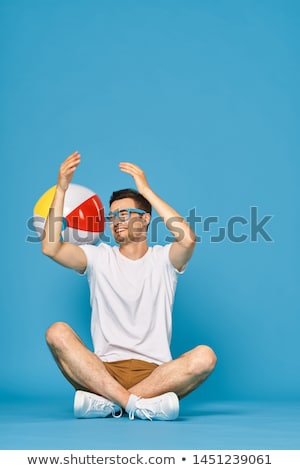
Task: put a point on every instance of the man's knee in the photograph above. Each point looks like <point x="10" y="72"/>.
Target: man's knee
<point x="57" y="333"/>
<point x="203" y="360"/>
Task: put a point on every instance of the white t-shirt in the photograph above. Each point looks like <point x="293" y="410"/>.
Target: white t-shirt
<point x="131" y="303"/>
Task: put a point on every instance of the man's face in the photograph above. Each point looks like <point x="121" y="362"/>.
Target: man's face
<point x="132" y="230"/>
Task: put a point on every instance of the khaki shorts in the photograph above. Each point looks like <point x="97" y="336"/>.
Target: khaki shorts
<point x="130" y="372"/>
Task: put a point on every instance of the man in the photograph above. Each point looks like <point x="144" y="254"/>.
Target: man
<point x="132" y="289"/>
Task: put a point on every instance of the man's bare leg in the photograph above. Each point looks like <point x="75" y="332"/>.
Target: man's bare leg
<point x="85" y="371"/>
<point x="81" y="367"/>
<point x="182" y="375"/>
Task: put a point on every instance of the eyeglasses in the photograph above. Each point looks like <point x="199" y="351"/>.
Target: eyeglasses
<point x="123" y="214"/>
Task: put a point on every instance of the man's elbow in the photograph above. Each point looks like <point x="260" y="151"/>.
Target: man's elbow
<point x="48" y="250"/>
<point x="193" y="238"/>
<point x="190" y="240"/>
<point x="188" y="244"/>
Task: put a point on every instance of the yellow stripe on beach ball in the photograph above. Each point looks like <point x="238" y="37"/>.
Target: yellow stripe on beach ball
<point x="43" y="204"/>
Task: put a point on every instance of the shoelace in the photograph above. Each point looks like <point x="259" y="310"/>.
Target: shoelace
<point x="147" y="413"/>
<point x="131" y="414"/>
<point x="114" y="410"/>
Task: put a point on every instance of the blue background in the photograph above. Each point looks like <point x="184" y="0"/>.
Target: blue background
<point x="204" y="96"/>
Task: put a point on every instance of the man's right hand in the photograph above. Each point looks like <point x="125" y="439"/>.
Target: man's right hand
<point x="67" y="170"/>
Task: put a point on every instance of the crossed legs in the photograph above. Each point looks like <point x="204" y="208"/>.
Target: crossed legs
<point x="85" y="371"/>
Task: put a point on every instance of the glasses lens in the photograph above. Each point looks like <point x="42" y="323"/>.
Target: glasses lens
<point x="123" y="215"/>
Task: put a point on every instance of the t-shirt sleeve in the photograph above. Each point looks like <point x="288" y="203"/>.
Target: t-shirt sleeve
<point x="90" y="253"/>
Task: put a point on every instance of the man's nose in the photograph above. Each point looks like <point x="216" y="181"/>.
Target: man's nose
<point x="116" y="222"/>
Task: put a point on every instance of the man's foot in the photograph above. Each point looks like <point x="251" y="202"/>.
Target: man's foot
<point x="90" y="405"/>
<point x="163" y="408"/>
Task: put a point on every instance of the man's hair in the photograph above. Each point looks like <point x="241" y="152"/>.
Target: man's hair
<point x="139" y="200"/>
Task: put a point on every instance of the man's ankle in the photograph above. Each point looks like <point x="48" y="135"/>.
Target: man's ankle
<point x="131" y="404"/>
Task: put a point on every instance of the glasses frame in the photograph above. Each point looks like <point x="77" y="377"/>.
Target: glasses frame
<point x="116" y="214"/>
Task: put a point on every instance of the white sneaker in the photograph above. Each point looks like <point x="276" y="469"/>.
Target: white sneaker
<point x="90" y="405"/>
<point x="164" y="407"/>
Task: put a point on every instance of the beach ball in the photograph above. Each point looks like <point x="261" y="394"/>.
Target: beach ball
<point x="83" y="214"/>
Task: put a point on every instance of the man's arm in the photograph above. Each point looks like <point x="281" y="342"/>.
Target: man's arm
<point x="185" y="239"/>
<point x="67" y="254"/>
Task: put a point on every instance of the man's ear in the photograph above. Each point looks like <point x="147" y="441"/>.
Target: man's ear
<point x="147" y="218"/>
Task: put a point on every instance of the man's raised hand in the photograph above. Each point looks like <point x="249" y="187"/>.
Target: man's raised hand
<point x="137" y="173"/>
<point x="67" y="169"/>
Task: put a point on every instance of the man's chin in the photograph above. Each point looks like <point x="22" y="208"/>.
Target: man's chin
<point x="124" y="237"/>
<point x="119" y="237"/>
